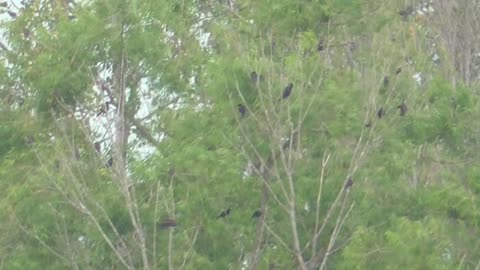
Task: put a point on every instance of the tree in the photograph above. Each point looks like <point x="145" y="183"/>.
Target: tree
<point x="146" y="134"/>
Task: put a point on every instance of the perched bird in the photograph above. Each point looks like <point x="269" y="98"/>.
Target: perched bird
<point x="453" y="213"/>
<point x="287" y="91"/>
<point x="242" y="109"/>
<point x="286" y="144"/>
<point x="254" y="76"/>
<point x="403" y="108"/>
<point x="167" y="223"/>
<point x="12" y="14"/>
<point x="349" y="183"/>
<point x="398" y="70"/>
<point x="257" y="214"/>
<point x="26" y="32"/>
<point x="104" y="109"/>
<point x="98" y="147"/>
<point x="405" y="13"/>
<point x="29" y="140"/>
<point x="224" y="213"/>
<point x="109" y="162"/>
<point x="320" y="46"/>
<point x="380" y="112"/>
<point x="76" y="154"/>
<point x="386" y="81"/>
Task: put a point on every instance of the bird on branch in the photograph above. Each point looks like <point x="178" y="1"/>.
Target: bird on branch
<point x="224" y="213"/>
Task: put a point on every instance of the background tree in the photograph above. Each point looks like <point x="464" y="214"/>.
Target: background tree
<point x="123" y="139"/>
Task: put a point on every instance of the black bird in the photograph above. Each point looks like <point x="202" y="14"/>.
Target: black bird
<point x="242" y="109"/>
<point x="287" y="91"/>
<point x="349" y="183"/>
<point x="405" y="13"/>
<point x="167" y="223"/>
<point x="110" y="162"/>
<point x="12" y="14"/>
<point x="286" y="144"/>
<point x="386" y="80"/>
<point x="98" y="147"/>
<point x="224" y="213"/>
<point x="403" y="108"/>
<point x="398" y="70"/>
<point x="380" y="112"/>
<point x="29" y="140"/>
<point x="257" y="214"/>
<point x="453" y="213"/>
<point x="254" y="76"/>
<point x="320" y="46"/>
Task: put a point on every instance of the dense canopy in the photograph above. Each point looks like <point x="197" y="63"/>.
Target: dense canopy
<point x="239" y="134"/>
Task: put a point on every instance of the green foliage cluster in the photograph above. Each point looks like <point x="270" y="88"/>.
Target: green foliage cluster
<point x="413" y="202"/>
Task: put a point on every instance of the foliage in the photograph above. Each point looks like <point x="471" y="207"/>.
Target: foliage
<point x="121" y="117"/>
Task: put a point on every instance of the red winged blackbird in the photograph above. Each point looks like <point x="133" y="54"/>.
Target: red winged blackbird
<point x="257" y="214"/>
<point x="349" y="183"/>
<point x="380" y="112"/>
<point x="287" y="91"/>
<point x="242" y="109"/>
<point x="403" y="108"/>
<point x="167" y="223"/>
<point x="224" y="213"/>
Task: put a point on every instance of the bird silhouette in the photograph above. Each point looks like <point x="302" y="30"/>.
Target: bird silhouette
<point x="254" y="76"/>
<point x="386" y="81"/>
<point x="349" y="183"/>
<point x="453" y="213"/>
<point x="98" y="147"/>
<point x="398" y="70"/>
<point x="242" y="109"/>
<point x="12" y="14"/>
<point x="109" y="162"/>
<point x="380" y="112"/>
<point x="224" y="213"/>
<point x="405" y="13"/>
<point x="320" y="46"/>
<point x="167" y="223"/>
<point x="403" y="108"/>
<point x="257" y="214"/>
<point x="287" y="91"/>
